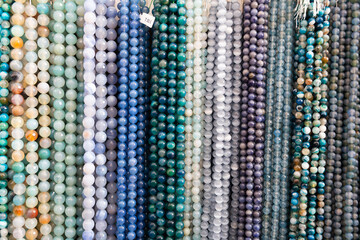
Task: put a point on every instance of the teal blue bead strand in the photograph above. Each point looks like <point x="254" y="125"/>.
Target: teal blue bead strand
<point x="270" y="149"/>
<point x="299" y="175"/>
<point x="155" y="208"/>
<point x="289" y="24"/>
<point x="5" y="10"/>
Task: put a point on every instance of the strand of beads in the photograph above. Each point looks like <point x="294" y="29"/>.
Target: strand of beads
<point x="235" y="120"/>
<point x="111" y="121"/>
<point x="354" y="55"/>
<point x="175" y="146"/>
<point x="31" y="125"/>
<point x="207" y="205"/>
<point x="155" y="207"/>
<point x="347" y="173"/>
<point x="144" y="44"/>
<point x="296" y="181"/>
<point x="243" y="126"/>
<point x="17" y="163"/>
<point x="288" y="26"/>
<point x="350" y="151"/>
<point x="306" y="128"/>
<point x="70" y="117"/>
<point x="338" y="53"/>
<point x="220" y="137"/>
<point x="89" y="122"/>
<point x="254" y="75"/>
<point x="354" y="118"/>
<point x="198" y="93"/>
<point x="333" y="112"/>
<point x="319" y="114"/>
<point x="100" y="121"/>
<point x="122" y="117"/>
<point x="80" y="114"/>
<point x="5" y="9"/>
<point x="57" y="83"/>
<point x="227" y="118"/>
<point x="188" y="116"/>
<point x="270" y="149"/>
<point x="133" y="84"/>
<point x="44" y="119"/>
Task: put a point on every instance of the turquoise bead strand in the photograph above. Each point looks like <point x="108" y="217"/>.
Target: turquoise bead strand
<point x="5" y="12"/>
<point x="154" y="207"/>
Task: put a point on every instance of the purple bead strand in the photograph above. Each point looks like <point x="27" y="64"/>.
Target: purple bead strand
<point x="254" y="72"/>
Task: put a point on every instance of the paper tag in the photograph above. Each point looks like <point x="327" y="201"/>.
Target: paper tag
<point x="147" y="19"/>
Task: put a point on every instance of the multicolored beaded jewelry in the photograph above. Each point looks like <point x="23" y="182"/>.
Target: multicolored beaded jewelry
<point x="17" y="162"/>
<point x="5" y="15"/>
<point x="31" y="124"/>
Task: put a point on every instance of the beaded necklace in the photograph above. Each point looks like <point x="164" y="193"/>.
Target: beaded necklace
<point x="279" y="92"/>
<point x="123" y="96"/>
<point x="31" y="113"/>
<point x="221" y="132"/>
<point x="111" y="121"/>
<point x="188" y="116"/>
<point x="314" y="112"/>
<point x="270" y="117"/>
<point x="351" y="142"/>
<point x="57" y="83"/>
<point x="70" y="117"/>
<point x="44" y="119"/>
<point x="193" y="115"/>
<point x="287" y="11"/>
<point x="252" y="135"/>
<point x="133" y="112"/>
<point x="5" y="9"/>
<point x="235" y="120"/>
<point x="100" y="120"/>
<point x="144" y="64"/>
<point x="88" y="122"/>
<point x="176" y="111"/>
<point x="17" y="162"/>
<point x="333" y="191"/>
<point x="319" y="114"/>
<point x="208" y="124"/>
<point x="80" y="114"/>
<point x="156" y="178"/>
<point x="337" y="191"/>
